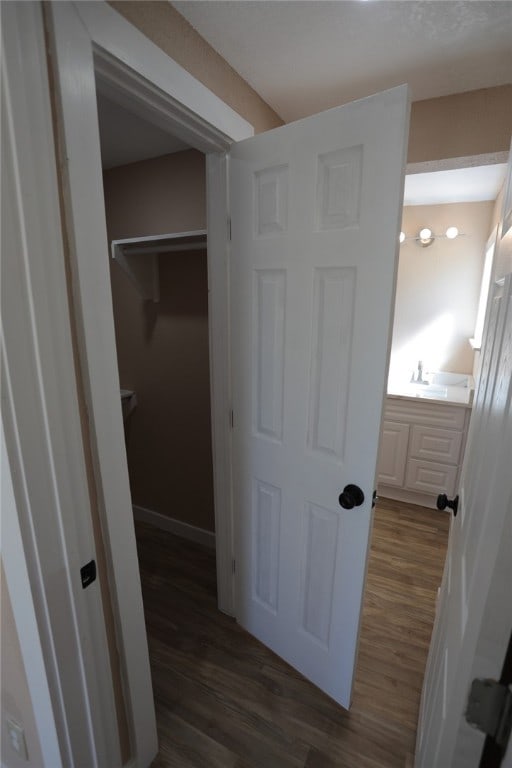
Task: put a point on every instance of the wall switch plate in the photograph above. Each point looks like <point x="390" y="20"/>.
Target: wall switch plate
<point x="17" y="738"/>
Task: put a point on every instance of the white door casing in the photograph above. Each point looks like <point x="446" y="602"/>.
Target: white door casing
<point x="40" y="416"/>
<point x="316" y="209"/>
<point x="474" y="613"/>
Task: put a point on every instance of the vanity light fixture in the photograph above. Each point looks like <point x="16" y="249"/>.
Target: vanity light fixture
<point x="426" y="236"/>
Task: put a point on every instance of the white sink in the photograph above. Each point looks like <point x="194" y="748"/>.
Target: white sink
<point x="447" y="379"/>
<point x="433" y="391"/>
<point x="430" y="390"/>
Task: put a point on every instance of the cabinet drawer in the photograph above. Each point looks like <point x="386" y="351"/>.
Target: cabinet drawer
<point x="442" y="445"/>
<point x="420" y="412"/>
<point x="393" y="453"/>
<point x="430" y="477"/>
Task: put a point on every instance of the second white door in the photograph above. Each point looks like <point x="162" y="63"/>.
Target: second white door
<point x="316" y="209"/>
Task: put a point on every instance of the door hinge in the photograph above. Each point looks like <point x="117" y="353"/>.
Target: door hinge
<point x="490" y="709"/>
<point x="231" y="419"/>
<point x="233" y="565"/>
<point x="229" y="228"/>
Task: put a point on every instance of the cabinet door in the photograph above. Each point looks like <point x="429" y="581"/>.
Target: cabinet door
<point x="393" y="453"/>
<point x="433" y="444"/>
<point x="430" y="477"/>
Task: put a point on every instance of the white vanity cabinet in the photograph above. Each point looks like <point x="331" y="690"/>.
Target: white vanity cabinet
<point x="421" y="449"/>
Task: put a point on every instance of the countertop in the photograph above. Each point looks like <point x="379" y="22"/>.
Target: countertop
<point x="433" y="393"/>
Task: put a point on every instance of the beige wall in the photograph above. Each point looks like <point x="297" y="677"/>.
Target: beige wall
<point x="163" y="348"/>
<point x="461" y="125"/>
<point x="16" y="701"/>
<point x="438" y="289"/>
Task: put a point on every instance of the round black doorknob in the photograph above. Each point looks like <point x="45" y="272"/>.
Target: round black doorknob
<point x="443" y="501"/>
<point x="352" y="496"/>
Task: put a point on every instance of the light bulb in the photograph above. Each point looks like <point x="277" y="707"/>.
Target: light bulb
<point x="402" y="237"/>
<point x="425" y="234"/>
<point x="451" y="233"/>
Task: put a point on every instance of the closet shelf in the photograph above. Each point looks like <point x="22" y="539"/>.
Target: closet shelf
<point x="138" y="256"/>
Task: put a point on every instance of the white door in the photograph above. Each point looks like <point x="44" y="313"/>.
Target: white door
<point x="474" y="613"/>
<point x="316" y="209"/>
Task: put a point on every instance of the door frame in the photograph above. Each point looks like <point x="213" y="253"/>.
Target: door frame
<point x="41" y="424"/>
<point x="99" y="43"/>
<point x="490" y="559"/>
<point x="89" y="41"/>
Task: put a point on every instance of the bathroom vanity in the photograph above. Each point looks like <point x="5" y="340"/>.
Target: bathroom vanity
<point x="422" y="444"/>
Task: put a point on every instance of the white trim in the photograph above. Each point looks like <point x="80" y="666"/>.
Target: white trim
<point x="18" y="586"/>
<point x="117" y="42"/>
<point x="220" y="374"/>
<point x="485" y="287"/>
<point x="40" y="407"/>
<point x="455" y="163"/>
<point x="390" y="493"/>
<point x="89" y="39"/>
<point x="178" y="527"/>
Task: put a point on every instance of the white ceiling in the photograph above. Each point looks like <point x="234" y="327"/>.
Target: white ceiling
<point x="126" y="138"/>
<point x="304" y="56"/>
<point x="462" y="185"/>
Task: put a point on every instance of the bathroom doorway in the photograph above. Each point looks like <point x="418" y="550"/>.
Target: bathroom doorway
<point x="444" y="272"/>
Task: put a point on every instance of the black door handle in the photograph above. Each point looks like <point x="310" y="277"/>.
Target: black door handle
<point x="443" y="501"/>
<point x="352" y="496"/>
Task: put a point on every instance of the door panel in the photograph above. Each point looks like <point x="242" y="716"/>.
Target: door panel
<point x="435" y="444"/>
<point x="315" y="211"/>
<point x="393" y="453"/>
<point x="429" y="477"/>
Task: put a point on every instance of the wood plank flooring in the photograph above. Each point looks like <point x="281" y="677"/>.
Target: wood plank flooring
<point x="224" y="701"/>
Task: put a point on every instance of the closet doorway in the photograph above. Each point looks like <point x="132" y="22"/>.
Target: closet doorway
<point x="155" y="204"/>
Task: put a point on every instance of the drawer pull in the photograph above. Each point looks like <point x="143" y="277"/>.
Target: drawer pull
<point x="443" y="501"/>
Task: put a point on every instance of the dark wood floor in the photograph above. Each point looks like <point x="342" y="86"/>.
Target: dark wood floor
<point x="225" y="701"/>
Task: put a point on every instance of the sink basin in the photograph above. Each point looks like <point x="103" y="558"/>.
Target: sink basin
<point x="433" y="391"/>
<point x="448" y="379"/>
<point x="445" y="379"/>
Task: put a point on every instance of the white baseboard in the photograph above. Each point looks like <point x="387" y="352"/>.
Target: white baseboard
<point x="409" y="497"/>
<point x="186" y="531"/>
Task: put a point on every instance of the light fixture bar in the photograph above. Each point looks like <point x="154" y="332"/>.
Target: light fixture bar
<point x="425" y="237"/>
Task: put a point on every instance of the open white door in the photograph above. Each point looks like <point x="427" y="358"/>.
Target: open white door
<point x="316" y="209"/>
<point x="474" y="612"/>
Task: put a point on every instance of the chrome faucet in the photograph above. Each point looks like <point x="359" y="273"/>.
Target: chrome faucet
<point x="419" y="378"/>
